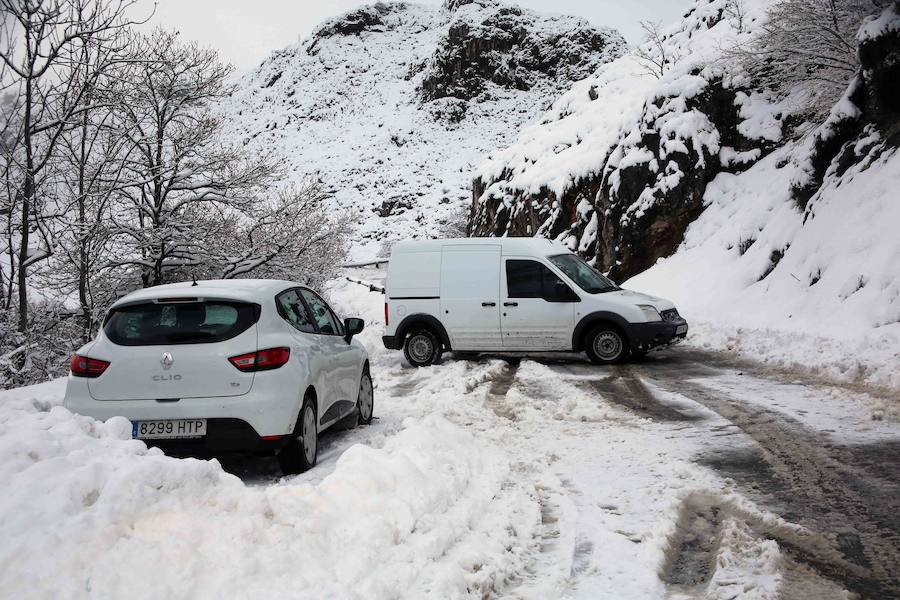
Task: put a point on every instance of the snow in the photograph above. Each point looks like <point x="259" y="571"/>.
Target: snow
<point x="346" y="107"/>
<point x="874" y="28"/>
<point x="458" y="490"/>
<point x="813" y="287"/>
<point x="832" y="302"/>
<point x="594" y="122"/>
<point x="90" y="512"/>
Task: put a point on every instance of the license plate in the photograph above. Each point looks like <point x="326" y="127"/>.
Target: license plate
<point x="168" y="430"/>
<point x="681" y="329"/>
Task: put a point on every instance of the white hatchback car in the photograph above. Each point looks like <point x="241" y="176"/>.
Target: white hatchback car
<point x="247" y="365"/>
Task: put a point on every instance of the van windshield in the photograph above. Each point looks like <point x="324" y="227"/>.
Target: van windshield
<point x="203" y="322"/>
<point x="584" y="275"/>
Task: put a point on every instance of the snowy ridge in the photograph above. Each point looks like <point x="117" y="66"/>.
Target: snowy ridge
<point x="347" y="104"/>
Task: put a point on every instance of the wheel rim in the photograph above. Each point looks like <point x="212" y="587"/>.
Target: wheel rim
<point x="420" y="348"/>
<point x="607" y="345"/>
<point x="366" y="398"/>
<point x="309" y="434"/>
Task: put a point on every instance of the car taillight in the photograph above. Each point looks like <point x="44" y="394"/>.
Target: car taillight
<point x="82" y="366"/>
<point x="261" y="360"/>
<point x="385" y="314"/>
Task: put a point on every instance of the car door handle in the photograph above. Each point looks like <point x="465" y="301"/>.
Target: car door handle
<point x="510" y="304"/>
<point x="489" y="304"/>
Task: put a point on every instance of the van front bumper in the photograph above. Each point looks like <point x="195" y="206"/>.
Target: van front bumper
<point x="646" y="336"/>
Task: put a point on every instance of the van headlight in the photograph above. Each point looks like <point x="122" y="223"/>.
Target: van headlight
<point x="650" y="312"/>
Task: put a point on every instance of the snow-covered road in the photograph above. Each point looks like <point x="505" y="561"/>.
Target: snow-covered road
<point x="685" y="475"/>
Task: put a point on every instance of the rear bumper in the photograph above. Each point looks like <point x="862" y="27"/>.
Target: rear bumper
<point x="390" y="342"/>
<point x="646" y="336"/>
<point x="222" y="435"/>
<point x="267" y="409"/>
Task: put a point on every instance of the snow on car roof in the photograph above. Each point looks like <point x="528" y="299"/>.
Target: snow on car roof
<point x="238" y="289"/>
<point x="510" y="245"/>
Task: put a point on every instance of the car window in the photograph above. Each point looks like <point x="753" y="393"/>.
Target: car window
<point x="321" y="313"/>
<point x="152" y="323"/>
<point x="292" y="310"/>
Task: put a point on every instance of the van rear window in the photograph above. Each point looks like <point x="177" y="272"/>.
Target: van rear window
<point x="152" y="324"/>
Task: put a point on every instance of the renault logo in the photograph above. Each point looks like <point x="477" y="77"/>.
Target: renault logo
<point x="166" y="360"/>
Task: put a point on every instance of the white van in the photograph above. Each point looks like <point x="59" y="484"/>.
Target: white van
<point x="515" y="295"/>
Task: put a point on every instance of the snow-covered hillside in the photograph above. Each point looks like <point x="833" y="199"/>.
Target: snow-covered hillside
<point x="783" y="229"/>
<point x="393" y="103"/>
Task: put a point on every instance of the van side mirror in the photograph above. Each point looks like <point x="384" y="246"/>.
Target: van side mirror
<point x="352" y="326"/>
<point x="562" y="293"/>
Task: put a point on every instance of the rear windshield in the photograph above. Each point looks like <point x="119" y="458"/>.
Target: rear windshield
<point x="153" y="324"/>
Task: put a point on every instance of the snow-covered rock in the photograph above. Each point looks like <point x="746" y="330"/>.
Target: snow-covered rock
<point x="392" y="103"/>
<point x="777" y="236"/>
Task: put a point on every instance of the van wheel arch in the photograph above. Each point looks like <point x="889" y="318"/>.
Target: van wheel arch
<point x="422" y="321"/>
<point x="590" y="322"/>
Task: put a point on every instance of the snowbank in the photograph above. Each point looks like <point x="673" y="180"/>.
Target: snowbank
<point x="817" y="290"/>
<point x="88" y="512"/>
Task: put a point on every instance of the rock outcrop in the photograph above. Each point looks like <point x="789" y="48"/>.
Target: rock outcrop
<point x="627" y="202"/>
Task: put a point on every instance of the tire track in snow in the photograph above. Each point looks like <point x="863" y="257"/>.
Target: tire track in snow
<point x="820" y="486"/>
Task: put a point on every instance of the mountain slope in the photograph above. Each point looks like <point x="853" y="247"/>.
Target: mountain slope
<point x="392" y="103"/>
<point x="776" y="231"/>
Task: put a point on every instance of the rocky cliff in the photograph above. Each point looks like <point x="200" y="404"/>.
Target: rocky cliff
<point x="391" y="104"/>
<point x="619" y="166"/>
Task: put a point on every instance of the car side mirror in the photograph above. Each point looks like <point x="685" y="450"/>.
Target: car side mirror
<point x="353" y="326"/>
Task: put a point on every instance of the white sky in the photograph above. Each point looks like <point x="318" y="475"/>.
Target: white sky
<point x="245" y="32"/>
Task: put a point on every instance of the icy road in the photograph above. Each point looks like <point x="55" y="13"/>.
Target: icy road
<point x="684" y="475"/>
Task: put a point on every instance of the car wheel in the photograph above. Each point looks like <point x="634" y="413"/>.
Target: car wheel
<point x="422" y="348"/>
<point x="606" y="345"/>
<point x="302" y="450"/>
<point x="365" y="400"/>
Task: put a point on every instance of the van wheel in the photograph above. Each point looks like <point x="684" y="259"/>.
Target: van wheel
<point x="606" y="345"/>
<point x="301" y="452"/>
<point x="422" y="348"/>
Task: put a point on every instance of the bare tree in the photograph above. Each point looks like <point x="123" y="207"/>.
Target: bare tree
<point x="809" y="42"/>
<point x="736" y="10"/>
<point x="43" y="45"/>
<point x="181" y="166"/>
<point x="294" y="236"/>
<point x="653" y="54"/>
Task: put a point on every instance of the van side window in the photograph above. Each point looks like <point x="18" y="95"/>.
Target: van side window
<point x="322" y="314"/>
<point x="531" y="279"/>
<point x="292" y="310"/>
<point x="523" y="279"/>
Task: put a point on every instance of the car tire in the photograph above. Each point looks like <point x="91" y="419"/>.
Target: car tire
<point x="422" y="348"/>
<point x="302" y="450"/>
<point x="606" y="344"/>
<point x="365" y="399"/>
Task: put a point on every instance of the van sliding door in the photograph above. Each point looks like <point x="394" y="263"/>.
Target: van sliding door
<point x="470" y="296"/>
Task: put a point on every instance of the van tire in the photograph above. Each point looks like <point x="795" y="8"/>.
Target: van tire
<point x="422" y="347"/>
<point x="606" y="344"/>
<point x="293" y="458"/>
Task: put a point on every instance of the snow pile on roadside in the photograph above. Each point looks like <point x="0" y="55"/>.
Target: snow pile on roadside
<point x="818" y="290"/>
<point x="89" y="512"/>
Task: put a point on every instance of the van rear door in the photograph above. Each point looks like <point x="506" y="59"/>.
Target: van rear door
<point x="470" y="296"/>
<point x="175" y="348"/>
